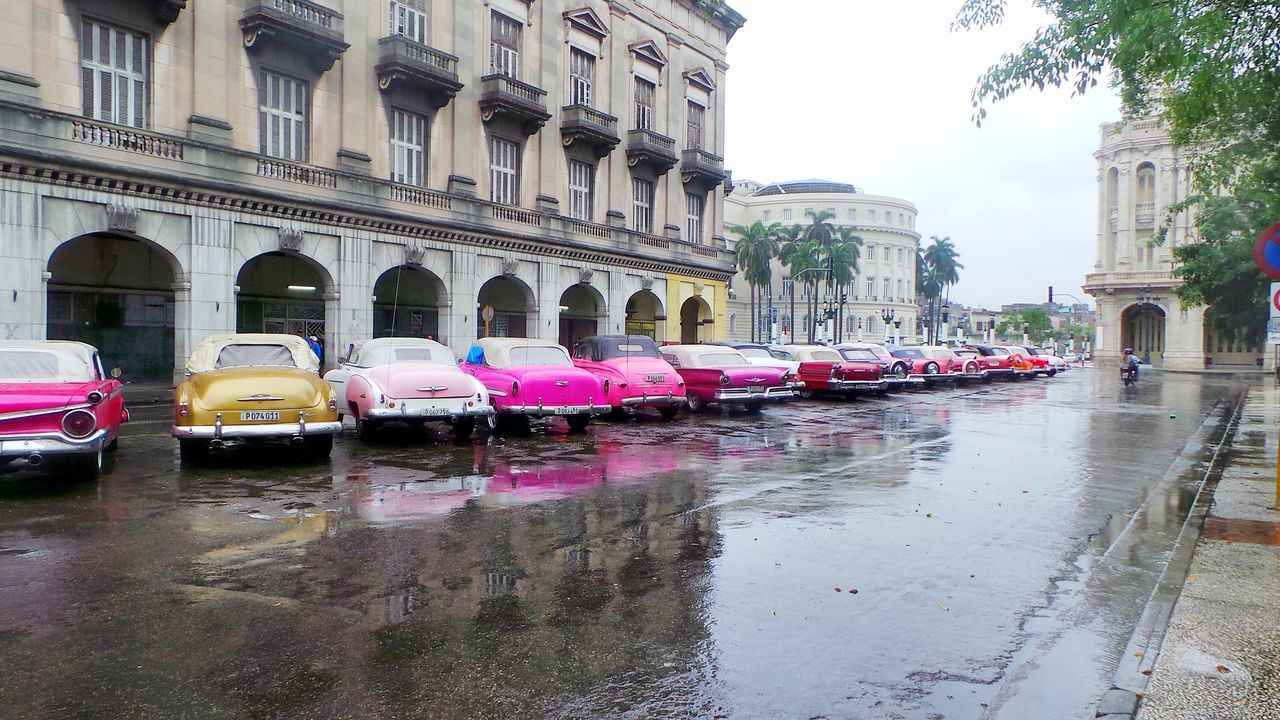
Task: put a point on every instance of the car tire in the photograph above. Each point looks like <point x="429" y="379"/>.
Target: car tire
<point x="971" y="368"/>
<point x="931" y="369"/>
<point x="85" y="466"/>
<point x="851" y="395"/>
<point x="901" y="371"/>
<point x="1053" y="372"/>
<point x="366" y="430"/>
<point x="463" y="428"/>
<point x="193" y="451"/>
<point x="668" y="412"/>
<point x="806" y="394"/>
<point x="114" y="445"/>
<point x="696" y="403"/>
<point x="317" y="447"/>
<point x="754" y="407"/>
<point x="578" y="423"/>
<point x="491" y="421"/>
<point x="513" y="423"/>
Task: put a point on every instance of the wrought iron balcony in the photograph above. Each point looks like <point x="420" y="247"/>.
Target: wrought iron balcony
<point x="702" y="167"/>
<point x="588" y="126"/>
<point x="301" y="26"/>
<point x="505" y="97"/>
<point x="420" y="67"/>
<point x="648" y="148"/>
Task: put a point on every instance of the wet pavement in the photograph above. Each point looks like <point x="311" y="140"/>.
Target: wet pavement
<point x="979" y="552"/>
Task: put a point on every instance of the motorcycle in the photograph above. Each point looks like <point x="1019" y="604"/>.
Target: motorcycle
<point x="1129" y="376"/>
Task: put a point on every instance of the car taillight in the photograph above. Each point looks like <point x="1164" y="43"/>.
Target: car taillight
<point x="79" y="423"/>
<point x="333" y="404"/>
<point x="786" y="378"/>
<point x="183" y="407"/>
<point x="94" y="397"/>
<point x="515" y="388"/>
<point x="724" y="379"/>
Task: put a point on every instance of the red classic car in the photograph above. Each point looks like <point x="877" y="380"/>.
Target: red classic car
<point x="924" y="365"/>
<point x="825" y="370"/>
<point x="637" y="374"/>
<point x="56" y="402"/>
<point x="1001" y="361"/>
<point x="897" y="372"/>
<point x="719" y="375"/>
<point x="528" y="378"/>
<point x="1039" y="364"/>
<point x="967" y="363"/>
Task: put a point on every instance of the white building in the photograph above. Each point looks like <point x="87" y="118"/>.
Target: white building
<point x="885" y="285"/>
<point x="349" y="168"/>
<point x="1140" y="175"/>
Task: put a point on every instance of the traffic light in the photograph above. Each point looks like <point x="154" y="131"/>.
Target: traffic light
<point x="1050" y="294"/>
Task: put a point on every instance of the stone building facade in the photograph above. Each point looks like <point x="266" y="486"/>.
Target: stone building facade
<point x="1141" y="174"/>
<point x="351" y="168"/>
<point x="884" y="287"/>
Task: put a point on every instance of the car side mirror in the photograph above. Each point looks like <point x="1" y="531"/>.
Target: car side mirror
<point x="342" y="360"/>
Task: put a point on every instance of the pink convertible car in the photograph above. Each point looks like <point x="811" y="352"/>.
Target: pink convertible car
<point x="535" y="378"/>
<point x="720" y="375"/>
<point x="56" y="402"/>
<point x="637" y="374"/>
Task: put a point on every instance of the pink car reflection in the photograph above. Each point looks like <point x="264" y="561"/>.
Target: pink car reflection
<point x="535" y="378"/>
<point x="637" y="374"/>
<point x="56" y="401"/>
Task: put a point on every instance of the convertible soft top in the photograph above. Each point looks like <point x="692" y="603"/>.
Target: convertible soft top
<point x="46" y="361"/>
<point x="209" y="354"/>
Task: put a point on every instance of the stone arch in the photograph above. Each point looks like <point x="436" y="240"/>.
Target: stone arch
<point x="645" y="315"/>
<point x="284" y="292"/>
<point x="1142" y="327"/>
<point x="582" y="309"/>
<point x="694" y="313"/>
<point x="514" y="306"/>
<point x="113" y="291"/>
<point x="408" y="302"/>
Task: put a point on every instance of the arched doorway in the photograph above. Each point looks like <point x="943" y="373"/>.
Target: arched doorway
<point x="694" y="313"/>
<point x="1142" y="328"/>
<point x="644" y="312"/>
<point x="279" y="292"/>
<point x="407" y="302"/>
<point x="115" y="293"/>
<point x="580" y="309"/>
<point x="510" y="302"/>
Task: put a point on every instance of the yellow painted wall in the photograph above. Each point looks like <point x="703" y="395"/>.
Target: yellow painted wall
<point x="682" y="287"/>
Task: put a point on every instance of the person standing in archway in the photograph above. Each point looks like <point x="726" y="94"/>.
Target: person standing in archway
<point x="316" y="348"/>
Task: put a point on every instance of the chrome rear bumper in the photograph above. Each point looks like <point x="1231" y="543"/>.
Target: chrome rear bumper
<point x="667" y="399"/>
<point x="729" y="395"/>
<point x="50" y="444"/>
<point x="282" y="429"/>
<point x="427" y="413"/>
<point x="550" y="410"/>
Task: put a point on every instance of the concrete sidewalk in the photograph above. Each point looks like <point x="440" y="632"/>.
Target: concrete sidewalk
<point x="1220" y="659"/>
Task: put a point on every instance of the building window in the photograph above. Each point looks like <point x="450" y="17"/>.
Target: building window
<point x="645" y="92"/>
<point x="902" y="256"/>
<point x="788" y="286"/>
<point x="504" y="175"/>
<point x="888" y="291"/>
<point x="853" y="214"/>
<point x="642" y="205"/>
<point x="504" y="46"/>
<point x="113" y="74"/>
<point x="902" y="219"/>
<point x="902" y="286"/>
<point x="872" y="215"/>
<point x="831" y="212"/>
<point x="871" y="252"/>
<point x="1146" y="183"/>
<point x="408" y="148"/>
<point x="282" y="116"/>
<point x="582" y="71"/>
<point x="581" y="177"/>
<point x="768" y="215"/>
<point x="694" y="205"/>
<point x="693" y="134"/>
<point x="409" y="18"/>
<point x="786" y="215"/>
<point x="871" y="288"/>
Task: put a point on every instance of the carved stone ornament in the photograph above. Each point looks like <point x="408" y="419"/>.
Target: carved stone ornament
<point x="122" y="218"/>
<point x="646" y="282"/>
<point x="510" y="266"/>
<point x="585" y="275"/>
<point x="290" y="239"/>
<point x="413" y="254"/>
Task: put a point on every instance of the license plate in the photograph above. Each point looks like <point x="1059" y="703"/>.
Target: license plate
<point x="258" y="415"/>
<point x="654" y="378"/>
<point x="434" y="411"/>
<point x="566" y="411"/>
<point x="756" y="388"/>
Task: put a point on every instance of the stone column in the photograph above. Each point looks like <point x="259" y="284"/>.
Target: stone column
<point x="547" y="292"/>
<point x="547" y="153"/>
<point x="464" y="288"/>
<point x="210" y="287"/>
<point x="213" y="76"/>
<point x="1125" y="237"/>
<point x="469" y="153"/>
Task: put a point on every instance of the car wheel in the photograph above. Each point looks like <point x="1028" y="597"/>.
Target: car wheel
<point x="668" y="412"/>
<point x="463" y="428"/>
<point x="851" y="395"/>
<point x="806" y="394"/>
<point x="754" y="407"/>
<point x="317" y="447"/>
<point x="513" y="423"/>
<point x="491" y="421"/>
<point x="971" y="368"/>
<point x="193" y="451"/>
<point x="931" y="369"/>
<point x="696" y="403"/>
<point x="578" y="423"/>
<point x="1053" y="372"/>
<point x="114" y="445"/>
<point x="901" y="371"/>
<point x="366" y="430"/>
<point x="85" y="466"/>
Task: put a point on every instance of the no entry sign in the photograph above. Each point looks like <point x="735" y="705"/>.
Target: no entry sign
<point x="1266" y="253"/>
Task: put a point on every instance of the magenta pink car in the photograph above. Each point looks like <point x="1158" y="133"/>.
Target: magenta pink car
<point x="637" y="374"/>
<point x="529" y="378"/>
<point x="720" y="375"/>
<point x="56" y="403"/>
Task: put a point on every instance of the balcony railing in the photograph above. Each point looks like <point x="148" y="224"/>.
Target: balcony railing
<point x="1145" y="214"/>
<point x="651" y="148"/>
<point x="311" y="30"/>
<point x="586" y="125"/>
<point x="126" y="139"/>
<point x="702" y="166"/>
<point x="304" y="174"/>
<point x="421" y="196"/>
<point x="515" y="215"/>
<point x="422" y="66"/>
<point x="318" y="18"/>
<point x="505" y="96"/>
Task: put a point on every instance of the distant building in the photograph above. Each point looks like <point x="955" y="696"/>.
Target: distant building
<point x="1140" y="175"/>
<point x="885" y="283"/>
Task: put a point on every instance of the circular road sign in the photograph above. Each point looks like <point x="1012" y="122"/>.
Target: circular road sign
<point x="1275" y="300"/>
<point x="487" y="313"/>
<point x="1266" y="253"/>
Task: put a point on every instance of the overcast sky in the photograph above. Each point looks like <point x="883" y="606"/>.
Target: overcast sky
<point x="877" y="94"/>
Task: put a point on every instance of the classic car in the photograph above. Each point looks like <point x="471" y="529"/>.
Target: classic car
<point x="924" y="364"/>
<point x="766" y="356"/>
<point x="824" y="370"/>
<point x="1024" y="365"/>
<point x="252" y="388"/>
<point x="1052" y="363"/>
<point x="56" y="402"/>
<point x="897" y="372"/>
<point x="638" y="376"/>
<point x="968" y="364"/>
<point x="720" y="375"/>
<point x="407" y="380"/>
<point x="999" y="361"/>
<point x="529" y="378"/>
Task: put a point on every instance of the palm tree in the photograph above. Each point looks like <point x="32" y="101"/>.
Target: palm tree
<point x="942" y="257"/>
<point x="801" y="256"/>
<point x="843" y="257"/>
<point x="788" y="238"/>
<point x="929" y="287"/>
<point x="757" y="245"/>
<point x="822" y="232"/>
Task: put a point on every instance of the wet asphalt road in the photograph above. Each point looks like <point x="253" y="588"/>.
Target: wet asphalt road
<point x="1002" y="539"/>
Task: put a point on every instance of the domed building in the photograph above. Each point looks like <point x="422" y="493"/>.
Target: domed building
<point x="883" y="288"/>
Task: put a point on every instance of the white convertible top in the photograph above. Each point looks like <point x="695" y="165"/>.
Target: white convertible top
<point x="693" y="356"/>
<point x="805" y="353"/>
<point x="207" y="353"/>
<point x="497" y="351"/>
<point x="380" y="351"/>
<point x="46" y="361"/>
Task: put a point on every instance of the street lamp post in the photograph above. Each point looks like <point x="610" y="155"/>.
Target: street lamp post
<point x="859" y="329"/>
<point x="1026" y="328"/>
<point x="887" y="315"/>
<point x="946" y="318"/>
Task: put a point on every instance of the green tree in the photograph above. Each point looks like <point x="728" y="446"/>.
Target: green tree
<point x="929" y="286"/>
<point x="798" y="255"/>
<point x="942" y="257"/>
<point x="756" y="248"/>
<point x="1035" y="322"/>
<point x="1212" y="72"/>
<point x="822" y="232"/>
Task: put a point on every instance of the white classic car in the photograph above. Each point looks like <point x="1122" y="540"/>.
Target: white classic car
<point x="408" y="380"/>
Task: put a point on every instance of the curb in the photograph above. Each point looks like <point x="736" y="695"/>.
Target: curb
<point x="1133" y="674"/>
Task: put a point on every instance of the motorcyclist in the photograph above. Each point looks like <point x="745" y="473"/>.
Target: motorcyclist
<point x="1130" y="362"/>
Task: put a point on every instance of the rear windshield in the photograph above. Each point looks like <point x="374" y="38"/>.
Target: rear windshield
<point x="720" y="359"/>
<point x="862" y="355"/>
<point x="631" y="347"/>
<point x="967" y="353"/>
<point x="756" y="353"/>
<point x="247" y="355"/>
<point x="908" y="353"/>
<point x="384" y="355"/>
<point x="941" y="352"/>
<point x="825" y="356"/>
<point x="533" y="355"/>
<point x="37" y="366"/>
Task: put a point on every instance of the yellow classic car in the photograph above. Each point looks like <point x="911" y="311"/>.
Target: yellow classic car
<point x="250" y="388"/>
